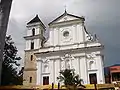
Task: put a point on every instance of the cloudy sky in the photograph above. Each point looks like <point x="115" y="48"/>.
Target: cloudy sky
<point x="102" y="18"/>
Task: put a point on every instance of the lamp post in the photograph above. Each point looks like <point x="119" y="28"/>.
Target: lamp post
<point x="5" y="6"/>
<point x="95" y="83"/>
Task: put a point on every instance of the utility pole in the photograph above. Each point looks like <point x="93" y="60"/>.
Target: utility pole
<point x="5" y="6"/>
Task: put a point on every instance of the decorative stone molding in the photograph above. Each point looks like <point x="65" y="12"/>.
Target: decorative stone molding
<point x="92" y="65"/>
<point x="91" y="38"/>
<point x="67" y="56"/>
<point x="91" y="56"/>
<point x="66" y="61"/>
<point x="45" y="60"/>
<point x="45" y="63"/>
<point x="34" y="37"/>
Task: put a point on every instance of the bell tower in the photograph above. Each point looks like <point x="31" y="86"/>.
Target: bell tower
<point x="34" y="38"/>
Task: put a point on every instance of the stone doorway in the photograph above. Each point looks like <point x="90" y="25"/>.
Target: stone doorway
<point x="46" y="80"/>
<point x="93" y="78"/>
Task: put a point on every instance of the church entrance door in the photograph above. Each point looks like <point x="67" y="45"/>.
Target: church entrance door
<point x="93" y="78"/>
<point x="46" y="80"/>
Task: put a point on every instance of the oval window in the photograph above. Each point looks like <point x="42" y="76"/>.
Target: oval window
<point x="66" y="34"/>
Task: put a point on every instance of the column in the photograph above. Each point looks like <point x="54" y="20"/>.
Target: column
<point x="39" y="72"/>
<point x="55" y="36"/>
<point x="51" y="71"/>
<point x="100" y="70"/>
<point x="83" y="69"/>
<point x="51" y="37"/>
<point x="79" y="66"/>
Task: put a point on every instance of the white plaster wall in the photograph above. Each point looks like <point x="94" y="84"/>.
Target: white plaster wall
<point x="28" y="42"/>
<point x="56" y="32"/>
<point x="37" y="31"/>
<point x="39" y="71"/>
<point x="75" y="65"/>
<point x="29" y="32"/>
<point x="83" y="69"/>
<point x="62" y="39"/>
<point x="76" y="35"/>
<point x="73" y="33"/>
<point x="57" y="70"/>
<point x="98" y="69"/>
<point x="36" y="43"/>
<point x="101" y="70"/>
<point x="52" y="67"/>
<point x="79" y="67"/>
<point x="80" y="31"/>
<point x="78" y="63"/>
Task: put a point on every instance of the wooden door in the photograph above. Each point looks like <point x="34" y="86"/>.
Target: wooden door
<point x="93" y="78"/>
<point x="46" y="80"/>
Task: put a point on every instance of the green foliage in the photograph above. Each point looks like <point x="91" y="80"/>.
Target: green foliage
<point x="10" y="64"/>
<point x="69" y="78"/>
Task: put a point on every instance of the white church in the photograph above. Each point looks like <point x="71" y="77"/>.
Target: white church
<point x="69" y="46"/>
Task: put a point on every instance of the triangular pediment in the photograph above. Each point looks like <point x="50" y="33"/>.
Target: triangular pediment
<point x="65" y="17"/>
<point x="36" y="19"/>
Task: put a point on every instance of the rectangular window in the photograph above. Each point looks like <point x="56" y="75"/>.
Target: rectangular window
<point x="30" y="79"/>
<point x="31" y="57"/>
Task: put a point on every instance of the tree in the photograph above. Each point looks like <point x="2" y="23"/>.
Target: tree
<point x="10" y="63"/>
<point x="20" y="76"/>
<point x="70" y="79"/>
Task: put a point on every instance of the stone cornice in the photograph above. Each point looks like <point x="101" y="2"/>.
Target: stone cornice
<point x="30" y="69"/>
<point x="85" y="43"/>
<point x="31" y="50"/>
<point x="64" y="23"/>
<point x="35" y="24"/>
<point x="76" y="48"/>
<point x="71" y="51"/>
<point x="58" y="57"/>
<point x="39" y="36"/>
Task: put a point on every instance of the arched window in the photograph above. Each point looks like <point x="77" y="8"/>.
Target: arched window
<point x="33" y="31"/>
<point x="30" y="80"/>
<point x="32" y="44"/>
<point x="31" y="57"/>
<point x="91" y="65"/>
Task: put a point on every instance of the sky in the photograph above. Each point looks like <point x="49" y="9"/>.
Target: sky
<point x="102" y="18"/>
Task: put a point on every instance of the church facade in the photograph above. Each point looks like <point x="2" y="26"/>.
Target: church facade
<point x="69" y="46"/>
